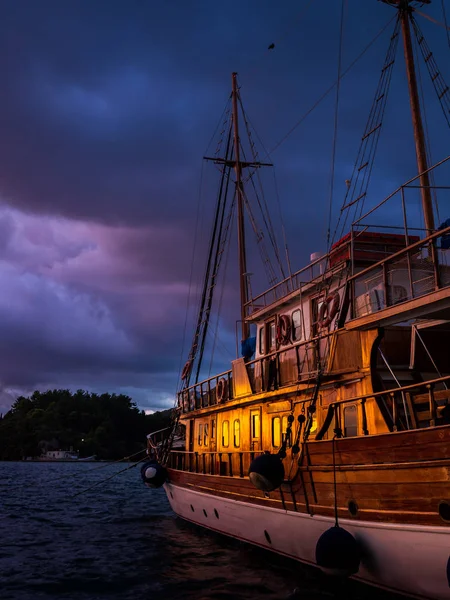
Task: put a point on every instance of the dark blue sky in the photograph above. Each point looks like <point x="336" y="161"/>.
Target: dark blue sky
<point x="105" y="113"/>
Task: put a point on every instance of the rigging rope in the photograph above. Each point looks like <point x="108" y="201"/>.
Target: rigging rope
<point x="441" y="88"/>
<point x="110" y="477"/>
<point x="362" y="169"/>
<point x="447" y="28"/>
<point x="330" y="89"/>
<point x="336" y="119"/>
<point x="429" y="157"/>
<point x="263" y="208"/>
<point x="227" y="243"/>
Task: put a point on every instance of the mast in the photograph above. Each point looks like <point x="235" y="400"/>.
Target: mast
<point x="419" y="136"/>
<point x="243" y="284"/>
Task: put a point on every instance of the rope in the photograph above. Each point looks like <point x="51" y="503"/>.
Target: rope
<point x="336" y="119"/>
<point x="108" y="478"/>
<point x="191" y="274"/>
<point x="431" y="176"/>
<point x="227" y="243"/>
<point x="447" y="28"/>
<point x="330" y="89"/>
<point x="435" y="21"/>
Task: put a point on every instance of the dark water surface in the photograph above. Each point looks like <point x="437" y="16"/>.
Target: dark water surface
<point x="121" y="541"/>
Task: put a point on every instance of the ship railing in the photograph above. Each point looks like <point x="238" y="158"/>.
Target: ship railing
<point x="313" y="272"/>
<point x="411" y="407"/>
<point x="235" y="463"/>
<point x="294" y="282"/>
<point x="412" y="272"/>
<point x="415" y="406"/>
<point x="288" y="365"/>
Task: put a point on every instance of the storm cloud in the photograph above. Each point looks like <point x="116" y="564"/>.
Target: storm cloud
<point x="106" y="111"/>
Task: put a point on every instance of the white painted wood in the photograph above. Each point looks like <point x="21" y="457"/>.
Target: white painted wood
<point x="401" y="558"/>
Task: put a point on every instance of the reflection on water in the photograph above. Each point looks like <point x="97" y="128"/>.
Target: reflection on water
<point x="120" y="541"/>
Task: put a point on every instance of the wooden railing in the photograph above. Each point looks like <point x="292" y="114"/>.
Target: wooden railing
<point x="229" y="464"/>
<point x="416" y="269"/>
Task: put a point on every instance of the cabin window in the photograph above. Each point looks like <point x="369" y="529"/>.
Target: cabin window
<point x="225" y="434"/>
<point x="213" y="429"/>
<point x="272" y="336"/>
<point x="205" y="434"/>
<point x="255" y="425"/>
<point x="200" y="434"/>
<point x="237" y="433"/>
<point x="262" y="345"/>
<point x="284" y="429"/>
<point x="276" y="432"/>
<point x="350" y="421"/>
<point x="297" y="325"/>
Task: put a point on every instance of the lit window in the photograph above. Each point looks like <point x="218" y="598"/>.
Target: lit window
<point x="255" y="425"/>
<point x="213" y="429"/>
<point x="225" y="434"/>
<point x="297" y="325"/>
<point x="276" y="432"/>
<point x="350" y="421"/>
<point x="262" y="348"/>
<point x="205" y="434"/>
<point x="236" y="433"/>
<point x="200" y="434"/>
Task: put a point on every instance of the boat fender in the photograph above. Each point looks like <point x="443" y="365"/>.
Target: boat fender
<point x="284" y="330"/>
<point x="222" y="390"/>
<point x="338" y="553"/>
<point x="186" y="370"/>
<point x="153" y="474"/>
<point x="266" y="472"/>
<point x="328" y="310"/>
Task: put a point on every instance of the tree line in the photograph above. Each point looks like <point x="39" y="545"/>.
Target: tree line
<point x="109" y="426"/>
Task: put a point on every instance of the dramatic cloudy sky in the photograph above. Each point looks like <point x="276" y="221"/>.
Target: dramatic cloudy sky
<point x="106" y="109"/>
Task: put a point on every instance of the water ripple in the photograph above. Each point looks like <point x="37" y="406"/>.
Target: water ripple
<point x="120" y="541"/>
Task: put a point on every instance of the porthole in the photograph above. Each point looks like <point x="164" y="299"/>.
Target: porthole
<point x="216" y="513"/>
<point x="353" y="508"/>
<point x="267" y="536"/>
<point x="444" y="511"/>
<point x="192" y="508"/>
<point x="205" y="513"/>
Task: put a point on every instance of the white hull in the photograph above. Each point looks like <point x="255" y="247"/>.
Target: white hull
<point x="401" y="558"/>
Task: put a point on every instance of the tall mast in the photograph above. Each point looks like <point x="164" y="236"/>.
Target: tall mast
<point x="419" y="136"/>
<point x="240" y="212"/>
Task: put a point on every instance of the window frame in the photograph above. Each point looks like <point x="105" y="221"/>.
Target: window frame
<point x="236" y="433"/>
<point x="296" y="338"/>
<point x="227" y="422"/>
<point x="274" y="419"/>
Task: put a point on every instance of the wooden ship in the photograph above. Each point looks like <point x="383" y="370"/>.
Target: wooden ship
<point x="328" y="439"/>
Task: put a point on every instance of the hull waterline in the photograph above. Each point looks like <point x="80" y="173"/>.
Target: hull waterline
<point x="408" y="559"/>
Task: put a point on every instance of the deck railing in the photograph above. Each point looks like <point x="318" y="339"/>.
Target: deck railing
<point x="229" y="464"/>
<point x="286" y="366"/>
<point x="313" y="271"/>
<point x="417" y="406"/>
<point x="410" y="273"/>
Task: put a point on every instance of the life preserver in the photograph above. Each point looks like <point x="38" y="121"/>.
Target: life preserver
<point x="284" y="330"/>
<point x="222" y="390"/>
<point x="186" y="370"/>
<point x="328" y="310"/>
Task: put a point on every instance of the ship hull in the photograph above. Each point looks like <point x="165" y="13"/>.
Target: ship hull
<point x="408" y="559"/>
